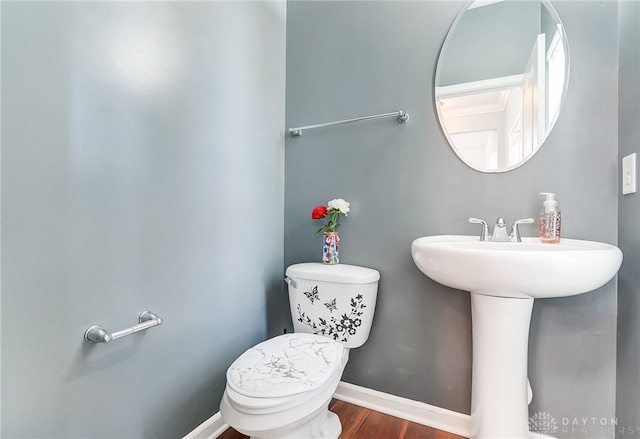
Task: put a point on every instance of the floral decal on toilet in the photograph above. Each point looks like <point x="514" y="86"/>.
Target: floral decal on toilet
<point x="339" y="328"/>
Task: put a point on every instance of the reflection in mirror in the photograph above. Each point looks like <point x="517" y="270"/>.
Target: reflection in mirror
<point x="500" y="81"/>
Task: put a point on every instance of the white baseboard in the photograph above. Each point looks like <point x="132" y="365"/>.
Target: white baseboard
<point x="414" y="411"/>
<point x="209" y="429"/>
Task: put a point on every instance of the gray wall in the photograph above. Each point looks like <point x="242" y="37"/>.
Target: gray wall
<point x="628" y="359"/>
<point x="349" y="59"/>
<point x="142" y="168"/>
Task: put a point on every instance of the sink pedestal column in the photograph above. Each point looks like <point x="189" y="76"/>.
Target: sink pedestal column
<point x="499" y="403"/>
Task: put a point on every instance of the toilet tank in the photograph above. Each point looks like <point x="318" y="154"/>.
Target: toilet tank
<point x="337" y="301"/>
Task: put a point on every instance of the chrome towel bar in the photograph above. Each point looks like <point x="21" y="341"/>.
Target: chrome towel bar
<point x="401" y="115"/>
<point x="97" y="334"/>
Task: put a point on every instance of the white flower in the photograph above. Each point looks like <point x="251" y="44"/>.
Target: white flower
<point x="340" y="205"/>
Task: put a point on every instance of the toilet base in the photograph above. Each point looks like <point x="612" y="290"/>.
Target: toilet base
<point x="326" y="425"/>
<point x="288" y="424"/>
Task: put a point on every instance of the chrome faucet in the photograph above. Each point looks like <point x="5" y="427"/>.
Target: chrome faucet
<point x="500" y="230"/>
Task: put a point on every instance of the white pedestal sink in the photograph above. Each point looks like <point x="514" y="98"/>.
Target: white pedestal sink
<point x="504" y="278"/>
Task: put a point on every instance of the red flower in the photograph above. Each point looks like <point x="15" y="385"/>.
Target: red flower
<point x="319" y="212"/>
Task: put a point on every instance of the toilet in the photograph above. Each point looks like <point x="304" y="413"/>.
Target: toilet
<point x="281" y="388"/>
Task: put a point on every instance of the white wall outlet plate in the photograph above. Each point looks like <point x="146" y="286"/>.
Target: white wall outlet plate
<point x="629" y="174"/>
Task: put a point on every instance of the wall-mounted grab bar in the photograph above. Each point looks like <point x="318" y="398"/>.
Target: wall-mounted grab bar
<point x="97" y="334"/>
<point x="401" y="115"/>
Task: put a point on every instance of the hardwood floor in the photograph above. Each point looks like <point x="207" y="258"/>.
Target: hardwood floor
<point x="362" y="423"/>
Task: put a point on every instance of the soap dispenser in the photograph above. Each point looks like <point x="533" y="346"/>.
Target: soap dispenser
<point x="550" y="219"/>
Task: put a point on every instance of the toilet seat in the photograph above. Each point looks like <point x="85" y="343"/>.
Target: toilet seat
<point x="258" y="404"/>
<point x="265" y="406"/>
<point x="282" y="370"/>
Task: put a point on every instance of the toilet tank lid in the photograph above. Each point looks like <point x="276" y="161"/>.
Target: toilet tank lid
<point x="339" y="273"/>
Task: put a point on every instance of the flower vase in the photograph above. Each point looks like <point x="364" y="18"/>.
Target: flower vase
<point x="330" y="246"/>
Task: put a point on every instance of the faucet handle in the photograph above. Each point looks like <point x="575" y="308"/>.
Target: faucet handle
<point x="484" y="234"/>
<point x="514" y="236"/>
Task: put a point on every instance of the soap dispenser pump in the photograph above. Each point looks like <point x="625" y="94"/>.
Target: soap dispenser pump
<point x="550" y="219"/>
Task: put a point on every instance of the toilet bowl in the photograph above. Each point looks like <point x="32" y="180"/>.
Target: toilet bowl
<point x="281" y="388"/>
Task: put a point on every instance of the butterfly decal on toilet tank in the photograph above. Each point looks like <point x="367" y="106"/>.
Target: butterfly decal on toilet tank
<point x="312" y="294"/>
<point x="331" y="305"/>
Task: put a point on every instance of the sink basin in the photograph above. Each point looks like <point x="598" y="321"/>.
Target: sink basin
<point x="516" y="269"/>
<point x="504" y="279"/>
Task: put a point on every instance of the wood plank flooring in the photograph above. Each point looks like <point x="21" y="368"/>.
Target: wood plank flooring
<point x="362" y="423"/>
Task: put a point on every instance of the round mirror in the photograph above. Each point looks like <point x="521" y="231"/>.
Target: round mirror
<point x="500" y="81"/>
